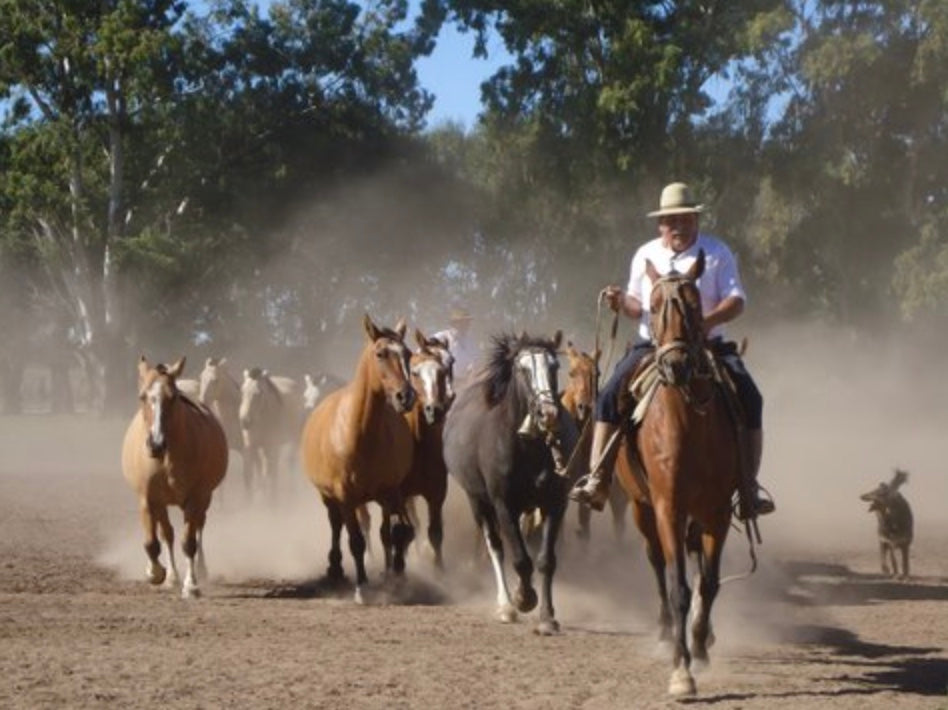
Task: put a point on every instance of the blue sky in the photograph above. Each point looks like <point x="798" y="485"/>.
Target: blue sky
<point x="451" y="73"/>
<point x="454" y="76"/>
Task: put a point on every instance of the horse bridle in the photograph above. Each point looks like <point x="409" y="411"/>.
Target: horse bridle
<point x="692" y="344"/>
<point x="541" y="395"/>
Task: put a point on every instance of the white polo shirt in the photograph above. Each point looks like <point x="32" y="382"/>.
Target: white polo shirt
<point x="719" y="280"/>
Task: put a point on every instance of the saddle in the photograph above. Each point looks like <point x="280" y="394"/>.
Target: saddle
<point x="641" y="388"/>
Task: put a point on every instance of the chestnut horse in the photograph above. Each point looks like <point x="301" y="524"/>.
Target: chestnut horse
<point x="504" y="437"/>
<point x="689" y="449"/>
<point x="174" y="453"/>
<point x="579" y="399"/>
<point x="357" y="447"/>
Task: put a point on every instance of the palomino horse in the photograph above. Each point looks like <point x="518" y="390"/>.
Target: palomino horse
<point x="271" y="412"/>
<point x="579" y="399"/>
<point x="357" y="447"/>
<point x="219" y="391"/>
<point x="508" y="463"/>
<point x="689" y="449"/>
<point x="174" y="453"/>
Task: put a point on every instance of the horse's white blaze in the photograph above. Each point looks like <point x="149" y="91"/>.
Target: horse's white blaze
<point x="310" y="393"/>
<point x="154" y="396"/>
<point x="427" y="372"/>
<point x="401" y="352"/>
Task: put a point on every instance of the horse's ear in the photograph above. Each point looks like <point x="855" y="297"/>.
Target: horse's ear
<point x="143" y="366"/>
<point x="651" y="271"/>
<point x="221" y="362"/>
<point x="176" y="369"/>
<point x="209" y="362"/>
<point x="401" y="328"/>
<point x="694" y="273"/>
<point x="246" y="374"/>
<point x="370" y="328"/>
<point x="557" y="339"/>
<point x="308" y="380"/>
<point x="420" y="338"/>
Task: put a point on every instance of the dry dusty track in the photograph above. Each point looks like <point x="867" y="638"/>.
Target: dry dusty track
<point x="816" y="627"/>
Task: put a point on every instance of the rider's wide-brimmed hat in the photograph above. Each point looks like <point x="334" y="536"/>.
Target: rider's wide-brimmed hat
<point x="460" y="314"/>
<point x="676" y="199"/>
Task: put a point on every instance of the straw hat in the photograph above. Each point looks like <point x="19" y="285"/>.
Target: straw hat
<point x="676" y="199"/>
<point x="460" y="314"/>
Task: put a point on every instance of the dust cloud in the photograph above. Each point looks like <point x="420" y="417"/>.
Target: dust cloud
<point x="841" y="411"/>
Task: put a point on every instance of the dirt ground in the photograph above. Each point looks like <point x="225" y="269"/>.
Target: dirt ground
<point x="817" y="626"/>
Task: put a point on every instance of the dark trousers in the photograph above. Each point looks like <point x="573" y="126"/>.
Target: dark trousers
<point x="614" y="398"/>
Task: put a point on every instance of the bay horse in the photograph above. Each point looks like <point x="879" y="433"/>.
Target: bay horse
<point x="579" y="399"/>
<point x="357" y="447"/>
<point x="219" y="391"/>
<point x="508" y="463"/>
<point x="270" y="414"/>
<point x="174" y="453"/>
<point x="688" y="446"/>
<point x="428" y="476"/>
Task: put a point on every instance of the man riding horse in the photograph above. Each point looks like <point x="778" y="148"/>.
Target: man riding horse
<point x="675" y="249"/>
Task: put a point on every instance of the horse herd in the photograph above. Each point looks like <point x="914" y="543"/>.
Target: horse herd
<point x="401" y="427"/>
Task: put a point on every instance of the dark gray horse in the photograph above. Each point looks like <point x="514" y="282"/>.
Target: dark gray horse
<point x="505" y="439"/>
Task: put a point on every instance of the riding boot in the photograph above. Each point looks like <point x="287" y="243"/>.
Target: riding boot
<point x="593" y="488"/>
<point x="762" y="506"/>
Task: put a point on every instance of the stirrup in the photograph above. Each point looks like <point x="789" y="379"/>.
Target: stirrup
<point x="592" y="490"/>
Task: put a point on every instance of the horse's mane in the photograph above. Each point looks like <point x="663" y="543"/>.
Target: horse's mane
<point x="498" y="372"/>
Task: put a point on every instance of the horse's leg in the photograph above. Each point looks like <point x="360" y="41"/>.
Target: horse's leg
<point x="904" y="549"/>
<point x="712" y="546"/>
<point x="546" y="566"/>
<point x="583" y="513"/>
<point x="167" y="534"/>
<point x="154" y="572"/>
<point x="436" y="529"/>
<point x="334" y="572"/>
<point x="617" y="503"/>
<point x="644" y="516"/>
<point x="671" y="532"/>
<point x="525" y="597"/>
<point x="402" y="533"/>
<point x="385" y="534"/>
<point x="356" y="549"/>
<point x="195" y="514"/>
<point x="201" y="562"/>
<point x="365" y="522"/>
<point x="487" y="527"/>
<point x="883" y="556"/>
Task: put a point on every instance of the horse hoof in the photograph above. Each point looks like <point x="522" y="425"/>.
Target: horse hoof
<point x="357" y="597"/>
<point x="191" y="592"/>
<point x="155" y="574"/>
<point x="681" y="684"/>
<point x="547" y="627"/>
<point x="507" y="614"/>
<point x="525" y="599"/>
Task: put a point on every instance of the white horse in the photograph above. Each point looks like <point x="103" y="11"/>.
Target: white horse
<point x="271" y="416"/>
